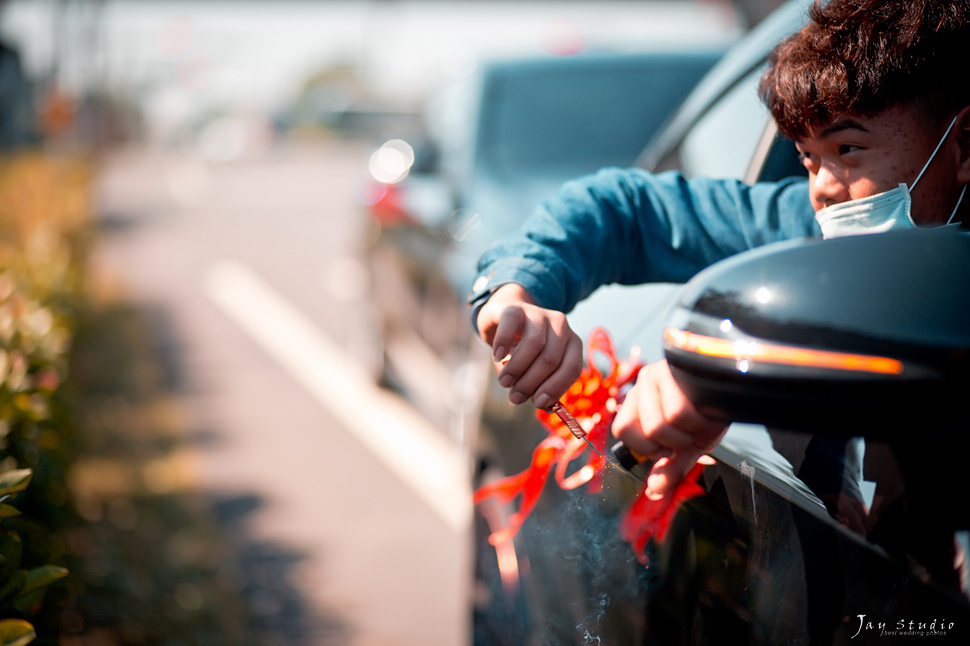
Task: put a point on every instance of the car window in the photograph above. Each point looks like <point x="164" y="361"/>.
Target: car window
<point x="780" y="161"/>
<point x="575" y="119"/>
<point x="723" y="141"/>
<point x="735" y="139"/>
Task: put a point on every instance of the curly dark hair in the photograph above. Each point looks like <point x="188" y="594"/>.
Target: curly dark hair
<point x="860" y="57"/>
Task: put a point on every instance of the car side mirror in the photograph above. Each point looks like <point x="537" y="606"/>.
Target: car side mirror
<point x="859" y="335"/>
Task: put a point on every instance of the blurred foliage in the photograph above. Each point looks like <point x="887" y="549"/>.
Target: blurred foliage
<point x="105" y="545"/>
<point x="21" y="590"/>
<point x="43" y="213"/>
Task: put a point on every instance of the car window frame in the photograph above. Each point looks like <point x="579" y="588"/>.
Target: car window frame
<point x="733" y="69"/>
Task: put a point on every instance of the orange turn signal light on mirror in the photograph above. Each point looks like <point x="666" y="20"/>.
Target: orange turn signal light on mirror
<point x="757" y="351"/>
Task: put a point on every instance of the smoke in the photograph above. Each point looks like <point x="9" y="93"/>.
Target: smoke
<point x="590" y="639"/>
<point x="590" y="587"/>
<point x="584" y="629"/>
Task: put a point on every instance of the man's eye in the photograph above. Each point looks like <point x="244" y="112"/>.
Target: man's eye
<point x="845" y="149"/>
<point x="807" y="160"/>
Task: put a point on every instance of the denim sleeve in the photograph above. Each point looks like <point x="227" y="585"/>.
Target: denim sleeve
<point x="629" y="226"/>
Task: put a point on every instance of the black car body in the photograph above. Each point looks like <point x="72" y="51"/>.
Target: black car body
<point x="837" y="522"/>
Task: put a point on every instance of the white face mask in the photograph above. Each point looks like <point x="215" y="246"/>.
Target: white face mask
<point x="879" y="212"/>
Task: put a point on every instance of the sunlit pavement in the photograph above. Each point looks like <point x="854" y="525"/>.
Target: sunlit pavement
<point x="252" y="271"/>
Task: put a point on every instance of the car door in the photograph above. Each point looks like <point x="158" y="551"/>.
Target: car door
<point x="802" y="537"/>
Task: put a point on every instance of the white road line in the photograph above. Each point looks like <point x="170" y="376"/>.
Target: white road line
<point x="428" y="463"/>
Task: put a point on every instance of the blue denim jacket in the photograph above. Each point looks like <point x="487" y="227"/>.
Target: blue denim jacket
<point x="629" y="226"/>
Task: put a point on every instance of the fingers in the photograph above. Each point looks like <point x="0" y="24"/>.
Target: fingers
<point x="651" y="420"/>
<point x="543" y="366"/>
<point x="544" y="356"/>
<point x="657" y="419"/>
<point x="658" y="422"/>
<point x="490" y="317"/>
<point x="668" y="472"/>
<point x="506" y="333"/>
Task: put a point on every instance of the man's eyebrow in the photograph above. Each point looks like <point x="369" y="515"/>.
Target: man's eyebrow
<point x="842" y="124"/>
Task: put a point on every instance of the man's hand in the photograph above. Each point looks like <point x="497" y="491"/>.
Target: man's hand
<point x="656" y="421"/>
<point x="546" y="355"/>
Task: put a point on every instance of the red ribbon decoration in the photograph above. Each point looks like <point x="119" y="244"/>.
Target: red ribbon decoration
<point x="593" y="401"/>
<point x="650" y="519"/>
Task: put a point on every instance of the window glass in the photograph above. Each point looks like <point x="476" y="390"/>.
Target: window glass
<point x="574" y="119"/>
<point x="723" y="142"/>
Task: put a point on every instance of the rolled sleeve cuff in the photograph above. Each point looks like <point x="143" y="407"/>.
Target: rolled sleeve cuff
<point x="532" y="276"/>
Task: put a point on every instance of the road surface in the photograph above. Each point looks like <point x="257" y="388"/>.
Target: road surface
<point x="253" y="271"/>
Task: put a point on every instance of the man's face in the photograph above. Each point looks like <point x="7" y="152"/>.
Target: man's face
<point x="855" y="157"/>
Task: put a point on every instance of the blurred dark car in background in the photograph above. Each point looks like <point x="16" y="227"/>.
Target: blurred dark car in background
<point x="496" y="145"/>
<point x="822" y="528"/>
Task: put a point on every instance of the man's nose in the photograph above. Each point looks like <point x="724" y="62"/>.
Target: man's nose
<point x="827" y="188"/>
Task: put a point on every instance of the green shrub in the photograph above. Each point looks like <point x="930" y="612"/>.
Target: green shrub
<point x="44" y="213"/>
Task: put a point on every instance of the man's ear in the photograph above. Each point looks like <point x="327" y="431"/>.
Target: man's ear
<point x="963" y="140"/>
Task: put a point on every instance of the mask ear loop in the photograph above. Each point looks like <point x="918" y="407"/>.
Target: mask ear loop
<point x="957" y="207"/>
<point x="936" y="150"/>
